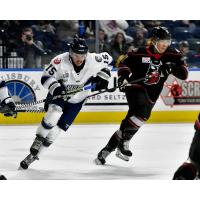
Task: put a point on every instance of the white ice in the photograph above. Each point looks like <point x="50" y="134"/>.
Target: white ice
<point x="158" y="149"/>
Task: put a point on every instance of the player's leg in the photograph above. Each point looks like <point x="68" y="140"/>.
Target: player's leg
<point x="110" y="147"/>
<point x="70" y="112"/>
<point x="139" y="105"/>
<point x="120" y="140"/>
<point x="41" y="148"/>
<point x="139" y="112"/>
<point x="128" y="129"/>
<point x="190" y="169"/>
<point x="49" y="140"/>
<point x="50" y="119"/>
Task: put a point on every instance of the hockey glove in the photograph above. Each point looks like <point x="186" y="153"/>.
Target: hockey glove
<point x="9" y="108"/>
<point x="59" y="91"/>
<point x="99" y="84"/>
<point x="122" y="83"/>
<point x="101" y="80"/>
<point x="167" y="68"/>
<point x="59" y="96"/>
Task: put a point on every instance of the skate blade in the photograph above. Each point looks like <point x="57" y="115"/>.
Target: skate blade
<point x="98" y="162"/>
<point x="122" y="156"/>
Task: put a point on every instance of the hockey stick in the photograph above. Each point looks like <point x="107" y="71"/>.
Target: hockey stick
<point x="24" y="107"/>
<point x="114" y="88"/>
<point x="79" y="89"/>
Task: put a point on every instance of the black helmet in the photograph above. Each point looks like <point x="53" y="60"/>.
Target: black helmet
<point x="160" y="33"/>
<point x="79" y="46"/>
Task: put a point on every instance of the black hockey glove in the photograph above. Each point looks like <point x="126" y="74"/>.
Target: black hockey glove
<point x="101" y="80"/>
<point x="98" y="84"/>
<point x="122" y="83"/>
<point x="167" y="68"/>
<point x="8" y="108"/>
<point x="59" y="91"/>
<point x="59" y="97"/>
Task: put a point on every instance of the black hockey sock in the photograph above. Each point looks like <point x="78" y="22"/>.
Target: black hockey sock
<point x="113" y="142"/>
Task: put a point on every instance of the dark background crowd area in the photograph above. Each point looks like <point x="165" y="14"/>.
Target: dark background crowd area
<point x="48" y="38"/>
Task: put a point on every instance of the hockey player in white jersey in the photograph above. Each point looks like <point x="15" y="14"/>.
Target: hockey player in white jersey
<point x="68" y="71"/>
<point x="7" y="105"/>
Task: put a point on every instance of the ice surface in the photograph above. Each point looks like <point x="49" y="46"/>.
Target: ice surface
<point x="158" y="149"/>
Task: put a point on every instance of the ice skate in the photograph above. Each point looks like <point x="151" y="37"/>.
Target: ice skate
<point x="102" y="155"/>
<point x="24" y="164"/>
<point x="123" y="151"/>
<point x="36" y="145"/>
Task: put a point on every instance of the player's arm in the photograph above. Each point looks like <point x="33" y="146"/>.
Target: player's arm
<point x="103" y="74"/>
<point x="179" y="66"/>
<point x="50" y="78"/>
<point x="124" y="71"/>
<point x="7" y="103"/>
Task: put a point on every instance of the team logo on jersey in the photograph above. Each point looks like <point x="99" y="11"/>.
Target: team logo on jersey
<point x="57" y="61"/>
<point x="66" y="75"/>
<point x="146" y="59"/>
<point x="153" y="75"/>
<point x="98" y="58"/>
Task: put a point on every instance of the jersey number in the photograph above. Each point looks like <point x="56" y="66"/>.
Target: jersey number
<point x="51" y="70"/>
<point x="105" y="57"/>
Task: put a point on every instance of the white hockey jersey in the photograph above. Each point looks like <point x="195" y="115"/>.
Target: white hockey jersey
<point x="3" y="91"/>
<point x="62" y="70"/>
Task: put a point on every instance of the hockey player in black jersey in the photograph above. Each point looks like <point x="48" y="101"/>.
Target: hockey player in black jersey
<point x="189" y="170"/>
<point x="155" y="63"/>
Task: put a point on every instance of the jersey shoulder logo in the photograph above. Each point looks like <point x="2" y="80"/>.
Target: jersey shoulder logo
<point x="57" y="61"/>
<point x="98" y="58"/>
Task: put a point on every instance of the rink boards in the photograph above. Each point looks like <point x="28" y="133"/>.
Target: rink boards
<point x="178" y="102"/>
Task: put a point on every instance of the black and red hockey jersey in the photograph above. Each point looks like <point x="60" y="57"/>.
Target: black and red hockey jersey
<point x="143" y="62"/>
